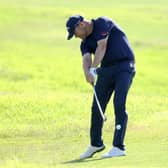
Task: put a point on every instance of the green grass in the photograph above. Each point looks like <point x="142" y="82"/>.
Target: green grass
<point x="45" y="101"/>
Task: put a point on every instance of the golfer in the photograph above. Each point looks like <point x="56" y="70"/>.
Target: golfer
<point x="113" y="62"/>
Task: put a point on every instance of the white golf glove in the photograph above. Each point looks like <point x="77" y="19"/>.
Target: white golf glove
<point x="93" y="72"/>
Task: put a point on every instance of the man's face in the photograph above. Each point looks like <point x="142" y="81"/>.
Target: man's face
<point x="80" y="31"/>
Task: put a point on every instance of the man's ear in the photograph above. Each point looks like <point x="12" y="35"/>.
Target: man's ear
<point x="82" y="24"/>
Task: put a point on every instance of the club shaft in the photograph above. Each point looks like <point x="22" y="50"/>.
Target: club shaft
<point x="100" y="109"/>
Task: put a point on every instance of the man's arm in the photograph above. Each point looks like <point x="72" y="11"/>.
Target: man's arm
<point x="100" y="52"/>
<point x="87" y="62"/>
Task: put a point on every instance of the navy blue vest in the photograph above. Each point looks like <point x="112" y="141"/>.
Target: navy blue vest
<point x="118" y="47"/>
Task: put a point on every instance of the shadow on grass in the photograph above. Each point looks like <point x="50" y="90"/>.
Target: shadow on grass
<point x="81" y="160"/>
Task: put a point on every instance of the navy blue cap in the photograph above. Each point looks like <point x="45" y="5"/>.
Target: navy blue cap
<point x="71" y="24"/>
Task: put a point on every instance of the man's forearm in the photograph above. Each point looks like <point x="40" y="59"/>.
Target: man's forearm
<point x="100" y="52"/>
<point x="87" y="62"/>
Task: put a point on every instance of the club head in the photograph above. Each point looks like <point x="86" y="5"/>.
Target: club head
<point x="105" y="118"/>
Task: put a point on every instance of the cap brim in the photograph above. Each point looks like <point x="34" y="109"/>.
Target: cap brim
<point x="70" y="35"/>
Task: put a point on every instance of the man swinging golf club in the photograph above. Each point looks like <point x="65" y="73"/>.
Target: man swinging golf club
<point x="108" y="43"/>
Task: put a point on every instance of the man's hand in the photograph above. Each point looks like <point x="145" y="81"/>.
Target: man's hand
<point x="93" y="72"/>
<point x="89" y="77"/>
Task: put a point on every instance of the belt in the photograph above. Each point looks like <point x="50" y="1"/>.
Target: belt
<point x="119" y="61"/>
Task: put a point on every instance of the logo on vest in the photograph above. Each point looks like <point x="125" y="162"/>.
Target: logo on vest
<point x="104" y="33"/>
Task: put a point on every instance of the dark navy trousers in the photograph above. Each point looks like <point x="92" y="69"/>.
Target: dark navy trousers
<point x="115" y="79"/>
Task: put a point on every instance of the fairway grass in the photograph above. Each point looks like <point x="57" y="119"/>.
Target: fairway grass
<point x="45" y="101"/>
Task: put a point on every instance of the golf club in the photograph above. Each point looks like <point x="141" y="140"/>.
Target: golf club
<point x="100" y="109"/>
